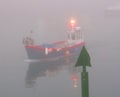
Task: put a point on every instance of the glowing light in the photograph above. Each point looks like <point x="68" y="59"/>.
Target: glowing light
<point x="67" y="52"/>
<point x="72" y="21"/>
<point x="74" y="78"/>
<point x="75" y="81"/>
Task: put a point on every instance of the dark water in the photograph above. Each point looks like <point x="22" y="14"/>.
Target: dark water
<point x="55" y="79"/>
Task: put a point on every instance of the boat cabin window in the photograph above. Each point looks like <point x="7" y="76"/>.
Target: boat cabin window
<point x="74" y="35"/>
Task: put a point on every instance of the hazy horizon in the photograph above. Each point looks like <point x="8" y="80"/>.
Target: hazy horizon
<point x="99" y="21"/>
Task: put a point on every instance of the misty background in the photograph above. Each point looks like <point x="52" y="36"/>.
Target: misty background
<point x="48" y="20"/>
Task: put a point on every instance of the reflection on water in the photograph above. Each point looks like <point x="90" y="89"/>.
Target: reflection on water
<point x="51" y="68"/>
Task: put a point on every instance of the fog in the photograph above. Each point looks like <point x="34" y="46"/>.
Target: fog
<point x="48" y="20"/>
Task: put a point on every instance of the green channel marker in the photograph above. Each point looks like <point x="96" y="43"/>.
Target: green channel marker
<point x="84" y="60"/>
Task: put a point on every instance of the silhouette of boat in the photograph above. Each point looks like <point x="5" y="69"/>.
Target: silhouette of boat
<point x="59" y="49"/>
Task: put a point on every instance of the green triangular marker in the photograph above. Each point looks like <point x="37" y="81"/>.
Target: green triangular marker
<point x="84" y="58"/>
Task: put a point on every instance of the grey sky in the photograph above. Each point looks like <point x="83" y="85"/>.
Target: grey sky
<point x="19" y="17"/>
<point x="48" y="19"/>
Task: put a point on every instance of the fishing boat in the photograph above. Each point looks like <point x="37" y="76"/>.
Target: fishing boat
<point x="59" y="49"/>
